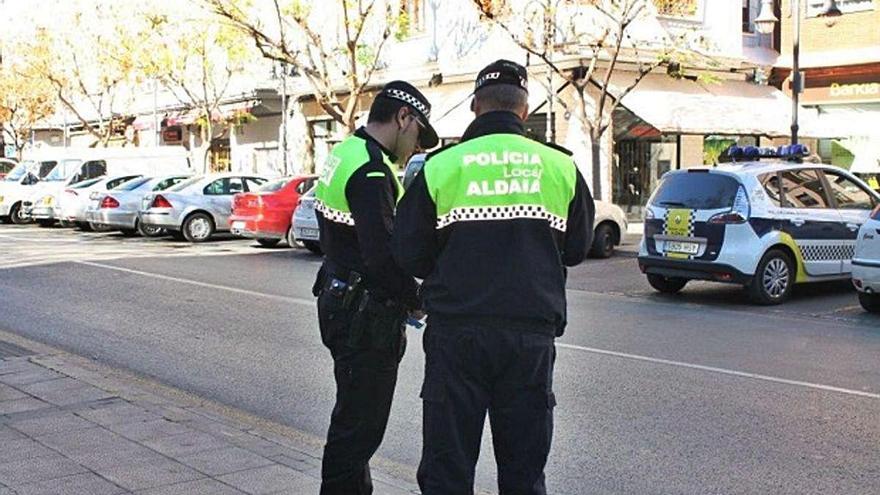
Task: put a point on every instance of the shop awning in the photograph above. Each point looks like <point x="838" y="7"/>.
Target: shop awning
<point x="143" y="122"/>
<point x="736" y="108"/>
<point x="225" y="112"/>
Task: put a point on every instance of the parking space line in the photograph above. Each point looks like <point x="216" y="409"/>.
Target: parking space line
<point x="293" y="300"/>
<point x="723" y="371"/>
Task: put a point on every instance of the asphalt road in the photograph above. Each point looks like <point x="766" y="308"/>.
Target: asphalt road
<point x="697" y="393"/>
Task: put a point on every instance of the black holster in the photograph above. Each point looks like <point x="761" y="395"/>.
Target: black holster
<point x="376" y="324"/>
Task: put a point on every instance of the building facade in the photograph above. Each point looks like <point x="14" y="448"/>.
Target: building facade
<point x="840" y="65"/>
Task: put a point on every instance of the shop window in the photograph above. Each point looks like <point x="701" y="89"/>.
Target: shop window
<point x="816" y="7"/>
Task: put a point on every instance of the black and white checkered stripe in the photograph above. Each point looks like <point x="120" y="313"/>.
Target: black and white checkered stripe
<point x="482" y="213"/>
<point x="334" y="215"/>
<point x="826" y="252"/>
<point x="410" y="100"/>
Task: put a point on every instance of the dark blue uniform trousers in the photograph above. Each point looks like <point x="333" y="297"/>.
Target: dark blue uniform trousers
<point x="365" y="381"/>
<point x="472" y="368"/>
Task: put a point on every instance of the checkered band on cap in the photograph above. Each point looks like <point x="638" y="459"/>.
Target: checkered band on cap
<point x="827" y="252"/>
<point x="408" y="99"/>
<point x="334" y="215"/>
<point x="512" y="212"/>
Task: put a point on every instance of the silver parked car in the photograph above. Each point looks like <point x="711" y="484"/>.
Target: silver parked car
<point x="196" y="208"/>
<point x="117" y="209"/>
<point x="75" y="211"/>
<point x="305" y="223"/>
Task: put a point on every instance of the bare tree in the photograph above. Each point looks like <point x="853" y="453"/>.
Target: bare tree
<point x="25" y="100"/>
<point x="197" y="61"/>
<point x="88" y="60"/>
<point x="335" y="45"/>
<point x="584" y="42"/>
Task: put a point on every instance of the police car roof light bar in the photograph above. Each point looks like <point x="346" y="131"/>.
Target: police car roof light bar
<point x="792" y="152"/>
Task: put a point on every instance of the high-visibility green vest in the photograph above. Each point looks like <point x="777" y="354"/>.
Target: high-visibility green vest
<point x="501" y="176"/>
<point x="343" y="161"/>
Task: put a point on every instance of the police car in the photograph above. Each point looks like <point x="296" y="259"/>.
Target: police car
<point x="766" y="221"/>
<point x="866" y="263"/>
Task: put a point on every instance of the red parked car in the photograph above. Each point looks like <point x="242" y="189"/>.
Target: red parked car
<point x="265" y="215"/>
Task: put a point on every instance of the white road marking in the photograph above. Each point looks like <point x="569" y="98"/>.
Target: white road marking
<point x="741" y="374"/>
<point x="293" y="300"/>
<point x="311" y="303"/>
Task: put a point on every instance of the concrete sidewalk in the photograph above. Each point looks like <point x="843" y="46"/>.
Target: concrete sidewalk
<point x="69" y="426"/>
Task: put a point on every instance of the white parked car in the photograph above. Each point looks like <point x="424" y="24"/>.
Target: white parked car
<point x="866" y="263"/>
<point x="74" y="201"/>
<point x="47" y="209"/>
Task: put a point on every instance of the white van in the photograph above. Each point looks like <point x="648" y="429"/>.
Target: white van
<point x="21" y="182"/>
<point x="89" y="163"/>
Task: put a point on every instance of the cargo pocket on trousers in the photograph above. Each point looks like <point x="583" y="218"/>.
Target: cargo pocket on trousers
<point x="332" y="318"/>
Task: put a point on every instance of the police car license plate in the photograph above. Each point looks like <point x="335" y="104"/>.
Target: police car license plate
<point x="682" y="247"/>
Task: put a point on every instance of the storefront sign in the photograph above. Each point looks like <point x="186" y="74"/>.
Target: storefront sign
<point x="837" y="92"/>
<point x="172" y="135"/>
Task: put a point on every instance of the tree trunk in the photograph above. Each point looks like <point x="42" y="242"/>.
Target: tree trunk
<point x="308" y="156"/>
<point x="596" y="155"/>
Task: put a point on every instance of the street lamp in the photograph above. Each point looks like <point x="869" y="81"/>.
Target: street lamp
<point x="766" y="21"/>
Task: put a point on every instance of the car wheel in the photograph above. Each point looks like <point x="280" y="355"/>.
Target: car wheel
<point x="268" y="242"/>
<point x="5" y="219"/>
<point x="198" y="227"/>
<point x="871" y="302"/>
<point x="603" y="242"/>
<point x="129" y="232"/>
<point x="773" y="280"/>
<point x="16" y="214"/>
<point x="291" y="241"/>
<point x="666" y="285"/>
<point x="45" y="223"/>
<point x="149" y="230"/>
<point x="313" y="246"/>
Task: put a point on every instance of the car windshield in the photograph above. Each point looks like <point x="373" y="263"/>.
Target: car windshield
<point x="16" y="173"/>
<point x="696" y="191"/>
<point x="274" y="185"/>
<point x="132" y="184"/>
<point x="183" y="185"/>
<point x="61" y="170"/>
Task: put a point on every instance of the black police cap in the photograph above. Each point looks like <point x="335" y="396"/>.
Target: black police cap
<point x="407" y="93"/>
<point x="503" y="72"/>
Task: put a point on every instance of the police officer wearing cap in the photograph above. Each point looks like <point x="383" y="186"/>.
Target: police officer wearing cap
<point x="363" y="296"/>
<point x="491" y="224"/>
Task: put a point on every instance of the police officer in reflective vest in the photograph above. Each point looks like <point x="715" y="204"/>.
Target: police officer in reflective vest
<point x="363" y="296"/>
<point x="491" y="224"/>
